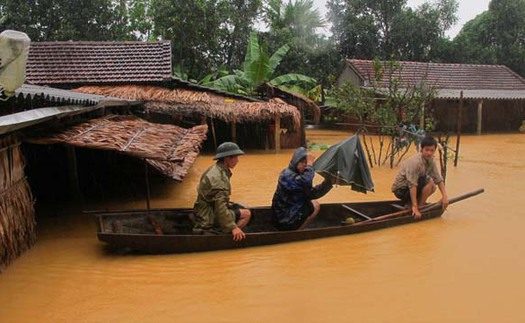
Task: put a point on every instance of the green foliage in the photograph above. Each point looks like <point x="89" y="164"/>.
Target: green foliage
<point x="59" y="20"/>
<point x="298" y="18"/>
<point x="317" y="147"/>
<point x="496" y="36"/>
<point x="205" y="34"/>
<point x="297" y="24"/>
<point x="388" y="107"/>
<point x="390" y="29"/>
<point x="259" y="67"/>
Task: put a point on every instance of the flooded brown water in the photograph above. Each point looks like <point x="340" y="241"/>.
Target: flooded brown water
<point x="465" y="267"/>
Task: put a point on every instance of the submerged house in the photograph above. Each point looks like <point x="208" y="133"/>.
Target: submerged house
<point x="34" y="117"/>
<point x="493" y="95"/>
<point x="142" y="71"/>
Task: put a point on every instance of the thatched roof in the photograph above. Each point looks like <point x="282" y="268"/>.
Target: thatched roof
<point x="188" y="102"/>
<point x="170" y="149"/>
<point x="293" y="98"/>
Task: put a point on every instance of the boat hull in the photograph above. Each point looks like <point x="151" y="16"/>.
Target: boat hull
<point x="329" y="223"/>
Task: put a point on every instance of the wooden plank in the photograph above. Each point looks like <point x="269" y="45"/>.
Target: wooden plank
<point x="356" y="212"/>
<point x="397" y="206"/>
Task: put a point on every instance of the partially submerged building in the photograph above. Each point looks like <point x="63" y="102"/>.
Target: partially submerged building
<point x="37" y="117"/>
<point x="142" y="71"/>
<point x="494" y="96"/>
<point x="103" y="101"/>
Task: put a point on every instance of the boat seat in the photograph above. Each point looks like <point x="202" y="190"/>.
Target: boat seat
<point x="397" y="206"/>
<point x="364" y="216"/>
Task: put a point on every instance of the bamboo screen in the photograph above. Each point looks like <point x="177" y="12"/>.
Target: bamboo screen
<point x="17" y="213"/>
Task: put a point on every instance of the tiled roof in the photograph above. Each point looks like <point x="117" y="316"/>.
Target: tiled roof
<point x="447" y="76"/>
<point x="98" y="62"/>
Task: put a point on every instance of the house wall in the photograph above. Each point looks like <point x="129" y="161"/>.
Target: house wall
<point x="348" y="75"/>
<point x="498" y="115"/>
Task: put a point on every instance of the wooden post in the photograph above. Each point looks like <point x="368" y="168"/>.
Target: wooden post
<point x="213" y="132"/>
<point x="277" y="133"/>
<point x="460" y="121"/>
<point x="234" y="132"/>
<point x="302" y="127"/>
<point x="74" y="183"/>
<point x="480" y="116"/>
<point x="148" y="195"/>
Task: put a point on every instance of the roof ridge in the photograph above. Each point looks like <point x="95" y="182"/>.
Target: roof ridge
<point x="516" y="75"/>
<point x="431" y="63"/>
<point x="447" y="75"/>
<point x="71" y="42"/>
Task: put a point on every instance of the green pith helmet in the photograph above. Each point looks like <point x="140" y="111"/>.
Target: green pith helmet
<point x="228" y="149"/>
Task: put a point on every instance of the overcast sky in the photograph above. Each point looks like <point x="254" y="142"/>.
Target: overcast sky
<point x="467" y="10"/>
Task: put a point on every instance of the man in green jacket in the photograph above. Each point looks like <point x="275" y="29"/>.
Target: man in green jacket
<point x="213" y="210"/>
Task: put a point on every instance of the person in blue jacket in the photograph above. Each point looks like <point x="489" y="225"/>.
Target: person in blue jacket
<point x="294" y="203"/>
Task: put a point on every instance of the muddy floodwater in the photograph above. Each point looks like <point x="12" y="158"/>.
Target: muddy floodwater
<point x="468" y="266"/>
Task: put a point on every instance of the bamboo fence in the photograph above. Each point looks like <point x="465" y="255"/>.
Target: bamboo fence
<point x="168" y="148"/>
<point x="187" y="102"/>
<point x="17" y="213"/>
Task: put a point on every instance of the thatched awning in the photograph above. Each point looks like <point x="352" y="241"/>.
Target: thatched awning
<point x="293" y="98"/>
<point x="170" y="149"/>
<point x="187" y="102"/>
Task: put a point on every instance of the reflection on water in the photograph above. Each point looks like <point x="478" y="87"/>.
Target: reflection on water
<point x="466" y="267"/>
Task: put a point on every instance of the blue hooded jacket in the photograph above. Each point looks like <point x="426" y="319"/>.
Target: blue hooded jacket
<point x="294" y="190"/>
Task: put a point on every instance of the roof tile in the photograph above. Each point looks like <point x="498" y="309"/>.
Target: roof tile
<point x="98" y="62"/>
<point x="448" y="76"/>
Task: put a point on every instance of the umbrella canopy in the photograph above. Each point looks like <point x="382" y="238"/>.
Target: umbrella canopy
<point x="346" y="162"/>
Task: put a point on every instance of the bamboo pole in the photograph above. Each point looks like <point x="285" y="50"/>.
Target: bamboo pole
<point x="277" y="133"/>
<point x="362" y="130"/>
<point x="460" y="113"/>
<point x="426" y="208"/>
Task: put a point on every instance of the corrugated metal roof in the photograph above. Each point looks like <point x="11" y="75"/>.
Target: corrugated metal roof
<point x="58" y="95"/>
<point x="472" y="94"/>
<point x="20" y="120"/>
<point x="481" y="94"/>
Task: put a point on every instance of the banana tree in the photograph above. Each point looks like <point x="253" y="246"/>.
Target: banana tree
<point x="259" y="67"/>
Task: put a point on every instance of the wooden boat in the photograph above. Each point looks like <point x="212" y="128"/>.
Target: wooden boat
<point x="170" y="230"/>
